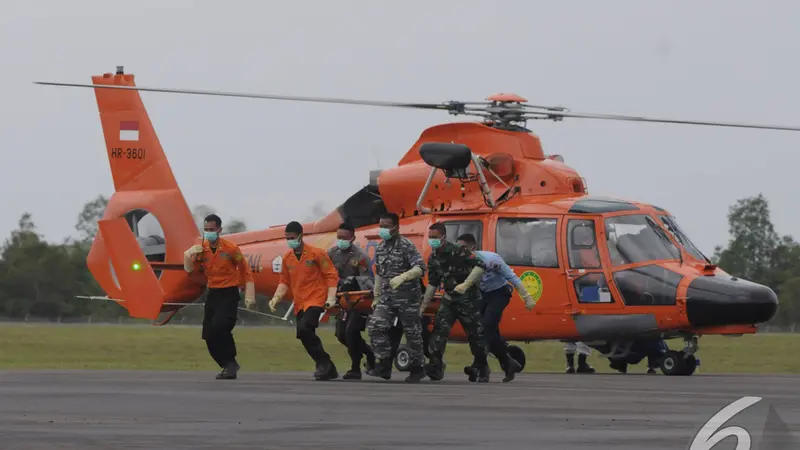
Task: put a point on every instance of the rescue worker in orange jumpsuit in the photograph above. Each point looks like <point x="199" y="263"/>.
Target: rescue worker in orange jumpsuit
<point x="225" y="267"/>
<point x="313" y="278"/>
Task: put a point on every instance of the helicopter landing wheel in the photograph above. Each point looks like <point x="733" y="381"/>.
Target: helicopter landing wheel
<point x="678" y="363"/>
<point x="402" y="362"/>
<point x="518" y="355"/>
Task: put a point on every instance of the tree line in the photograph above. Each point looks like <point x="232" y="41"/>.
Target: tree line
<point x="42" y="279"/>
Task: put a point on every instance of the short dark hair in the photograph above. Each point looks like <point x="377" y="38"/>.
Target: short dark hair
<point x="347" y="226"/>
<point x="468" y="238"/>
<point x="213" y="218"/>
<point x="294" y="227"/>
<point x="394" y="218"/>
<point x="438" y="226"/>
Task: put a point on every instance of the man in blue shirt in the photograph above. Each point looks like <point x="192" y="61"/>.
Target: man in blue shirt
<point x="495" y="294"/>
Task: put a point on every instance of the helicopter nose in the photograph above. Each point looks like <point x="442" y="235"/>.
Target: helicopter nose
<point x="724" y="300"/>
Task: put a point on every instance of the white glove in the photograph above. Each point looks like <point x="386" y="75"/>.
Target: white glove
<point x="273" y="303"/>
<point x="194" y="250"/>
<point x="412" y="274"/>
<point x="331" y="302"/>
<point x="249" y="296"/>
<point x="529" y="301"/>
<point x="189" y="255"/>
<point x="395" y="282"/>
<point x="474" y="276"/>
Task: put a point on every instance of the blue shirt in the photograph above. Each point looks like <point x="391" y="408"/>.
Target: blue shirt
<point x="497" y="272"/>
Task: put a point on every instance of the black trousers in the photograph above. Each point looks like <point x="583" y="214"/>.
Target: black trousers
<point x="348" y="331"/>
<point x="396" y="335"/>
<point x="492" y="306"/>
<point x="219" y="318"/>
<point x="307" y="324"/>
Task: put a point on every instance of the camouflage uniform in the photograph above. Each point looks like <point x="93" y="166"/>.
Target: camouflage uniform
<point x="450" y="265"/>
<point x="355" y="274"/>
<point x="394" y="257"/>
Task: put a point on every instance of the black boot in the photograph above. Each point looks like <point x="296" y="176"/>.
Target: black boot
<point x="583" y="366"/>
<point x="434" y="369"/>
<point x="229" y="372"/>
<point x="381" y="369"/>
<point x="370" y="362"/>
<point x="570" y="362"/>
<point x="472" y="373"/>
<point x="619" y="365"/>
<point x="328" y="371"/>
<point x="483" y="373"/>
<point x="352" y="374"/>
<point x="512" y="367"/>
<point x="417" y="374"/>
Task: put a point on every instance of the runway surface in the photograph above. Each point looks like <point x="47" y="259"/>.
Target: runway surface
<point x="94" y="410"/>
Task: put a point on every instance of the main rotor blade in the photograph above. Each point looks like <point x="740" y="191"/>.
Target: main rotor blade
<point x="555" y="114"/>
<point x="439" y="106"/>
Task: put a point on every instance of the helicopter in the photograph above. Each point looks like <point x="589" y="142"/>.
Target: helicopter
<point x="604" y="271"/>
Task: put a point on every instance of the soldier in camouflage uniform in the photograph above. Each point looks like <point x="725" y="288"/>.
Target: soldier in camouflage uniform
<point x="398" y="268"/>
<point x="458" y="270"/>
<point x="355" y="274"/>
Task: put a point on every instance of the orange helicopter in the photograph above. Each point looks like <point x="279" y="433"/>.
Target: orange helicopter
<point x="604" y="271"/>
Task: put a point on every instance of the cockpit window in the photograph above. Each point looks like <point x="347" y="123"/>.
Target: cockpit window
<point x="637" y="238"/>
<point x="672" y="226"/>
<point x="582" y="244"/>
<point x="527" y="242"/>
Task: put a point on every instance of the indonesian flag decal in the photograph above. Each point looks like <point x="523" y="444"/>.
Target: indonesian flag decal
<point x="129" y="131"/>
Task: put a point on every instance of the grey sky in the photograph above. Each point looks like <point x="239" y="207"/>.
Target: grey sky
<point x="715" y="60"/>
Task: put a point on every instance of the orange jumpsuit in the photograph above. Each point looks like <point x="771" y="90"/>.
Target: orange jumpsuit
<point x="224" y="268"/>
<point x="225" y="271"/>
<point x="308" y="277"/>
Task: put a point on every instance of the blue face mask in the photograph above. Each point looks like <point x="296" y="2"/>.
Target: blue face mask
<point x="435" y="243"/>
<point x="342" y="244"/>
<point x="293" y="243"/>
<point x="210" y="236"/>
<point x="385" y="233"/>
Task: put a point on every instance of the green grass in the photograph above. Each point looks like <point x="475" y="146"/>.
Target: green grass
<point x="275" y="349"/>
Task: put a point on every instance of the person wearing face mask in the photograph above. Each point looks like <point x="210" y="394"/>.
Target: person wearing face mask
<point x="224" y="266"/>
<point x="458" y="270"/>
<point x="313" y="279"/>
<point x="355" y="274"/>
<point x="398" y="268"/>
<point x="495" y="295"/>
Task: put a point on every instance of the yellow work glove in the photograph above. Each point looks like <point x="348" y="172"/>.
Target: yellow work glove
<point x="414" y="273"/>
<point x="249" y="295"/>
<point x="474" y="276"/>
<point x="426" y="298"/>
<point x="279" y="293"/>
<point x="526" y="297"/>
<point x="189" y="255"/>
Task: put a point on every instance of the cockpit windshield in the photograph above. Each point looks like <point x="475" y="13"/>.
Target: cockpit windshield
<point x="637" y="238"/>
<point x="672" y="226"/>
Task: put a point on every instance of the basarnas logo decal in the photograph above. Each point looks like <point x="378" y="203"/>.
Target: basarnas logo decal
<point x="754" y="425"/>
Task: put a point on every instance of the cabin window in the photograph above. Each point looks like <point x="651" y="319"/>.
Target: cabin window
<point x="637" y="238"/>
<point x="456" y="228"/>
<point x="582" y="244"/>
<point x="592" y="288"/>
<point x="648" y="286"/>
<point x="528" y="241"/>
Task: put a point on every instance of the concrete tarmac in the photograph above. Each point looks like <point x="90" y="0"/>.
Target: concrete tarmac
<point x="170" y="410"/>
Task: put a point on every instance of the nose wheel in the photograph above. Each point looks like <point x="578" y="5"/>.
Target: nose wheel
<point x="681" y="362"/>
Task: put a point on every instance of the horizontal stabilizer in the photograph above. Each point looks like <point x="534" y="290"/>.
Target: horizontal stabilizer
<point x="142" y="295"/>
